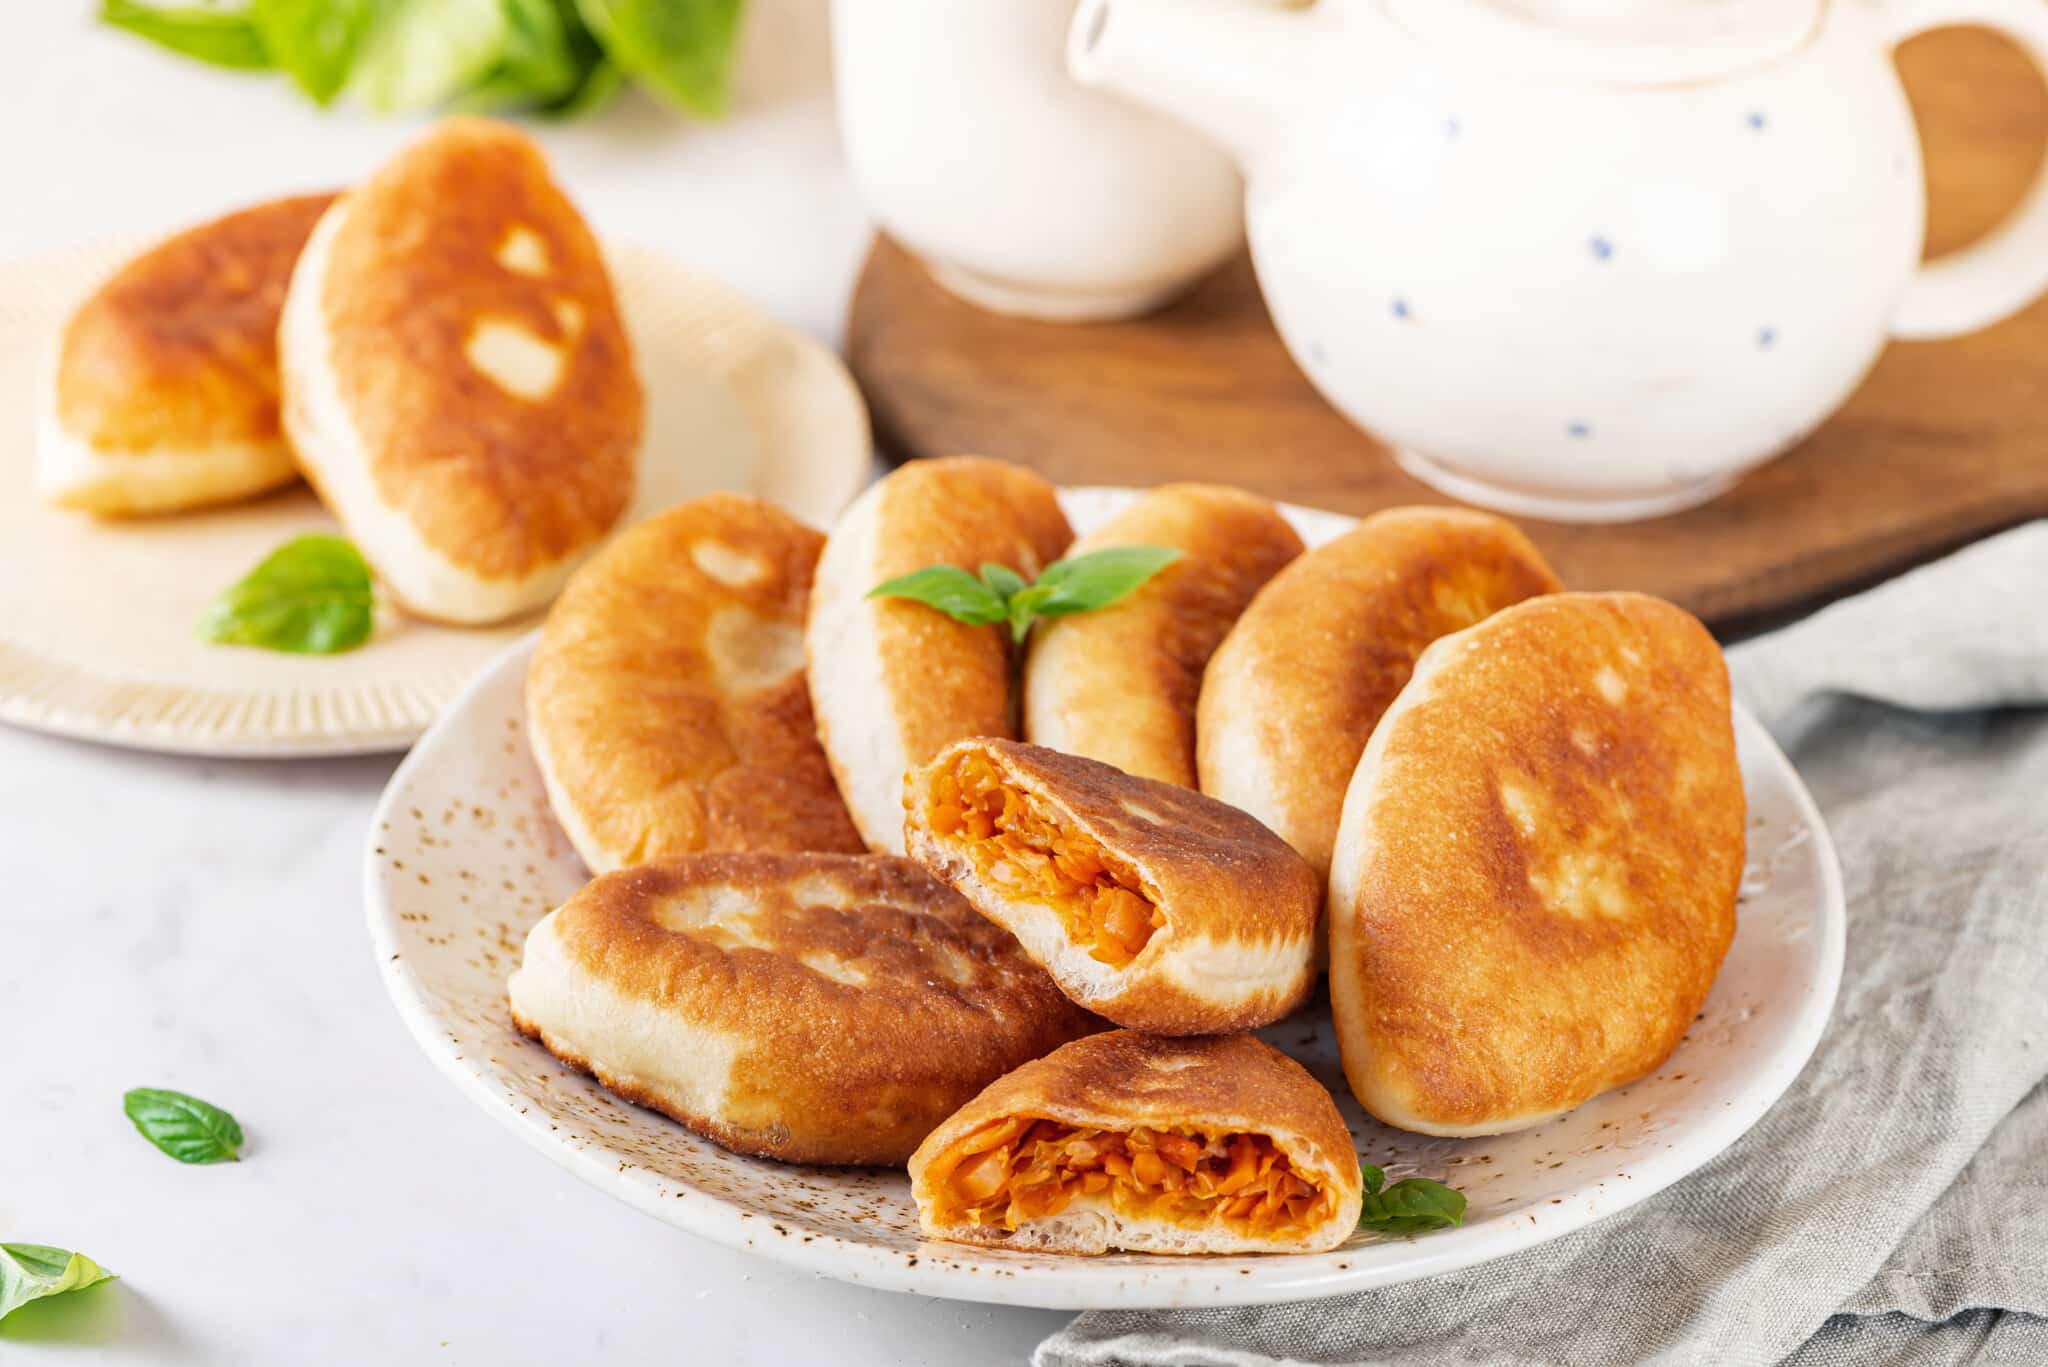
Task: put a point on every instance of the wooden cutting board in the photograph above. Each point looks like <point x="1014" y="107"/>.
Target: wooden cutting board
<point x="1944" y="442"/>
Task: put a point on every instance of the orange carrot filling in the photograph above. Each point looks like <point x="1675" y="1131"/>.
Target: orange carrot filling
<point x="1026" y="1168"/>
<point x="1025" y="851"/>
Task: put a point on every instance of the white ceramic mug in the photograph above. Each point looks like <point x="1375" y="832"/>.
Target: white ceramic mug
<point x="1024" y="192"/>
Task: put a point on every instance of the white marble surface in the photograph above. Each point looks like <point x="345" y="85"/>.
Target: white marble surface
<point x="198" y="925"/>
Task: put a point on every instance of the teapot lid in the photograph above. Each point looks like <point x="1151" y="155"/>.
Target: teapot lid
<point x="1622" y="42"/>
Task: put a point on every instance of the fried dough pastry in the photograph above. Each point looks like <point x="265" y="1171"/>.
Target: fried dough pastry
<point x="1132" y="1141"/>
<point x="1294" y="690"/>
<point x="161" y="393"/>
<point x="893" y="682"/>
<point x="666" y="701"/>
<point x="458" y="384"/>
<point x="1119" y="684"/>
<point x="1536" y="874"/>
<point x="1150" y="904"/>
<point x="809" y="1007"/>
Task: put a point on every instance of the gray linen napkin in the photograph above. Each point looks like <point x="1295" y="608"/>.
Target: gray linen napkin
<point x="1892" y="1208"/>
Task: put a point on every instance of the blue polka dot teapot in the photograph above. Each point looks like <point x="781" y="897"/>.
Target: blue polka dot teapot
<point x="1587" y="260"/>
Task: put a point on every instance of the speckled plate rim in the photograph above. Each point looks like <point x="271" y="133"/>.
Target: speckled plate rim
<point x="973" y="1274"/>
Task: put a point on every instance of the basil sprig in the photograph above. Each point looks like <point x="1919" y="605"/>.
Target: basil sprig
<point x="186" y="1128"/>
<point x="317" y="42"/>
<point x="31" y="1272"/>
<point x="205" y="33"/>
<point x="312" y="596"/>
<point x="681" y="50"/>
<point x="557" y="58"/>
<point x="1413" y="1205"/>
<point x="1000" y="594"/>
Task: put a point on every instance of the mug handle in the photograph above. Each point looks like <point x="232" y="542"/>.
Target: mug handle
<point x="1998" y="276"/>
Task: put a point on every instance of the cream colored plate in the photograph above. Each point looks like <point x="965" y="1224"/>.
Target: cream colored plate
<point x="96" y="618"/>
<point x="464" y="857"/>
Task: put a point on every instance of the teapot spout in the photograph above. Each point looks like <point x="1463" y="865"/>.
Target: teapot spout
<point x="1230" y="69"/>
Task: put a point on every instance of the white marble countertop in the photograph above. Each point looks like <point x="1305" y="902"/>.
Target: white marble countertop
<point x="199" y="925"/>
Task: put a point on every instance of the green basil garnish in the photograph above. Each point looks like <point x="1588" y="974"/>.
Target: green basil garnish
<point x="312" y="596"/>
<point x="680" y="49"/>
<point x="32" y="1272"/>
<point x="186" y="1128"/>
<point x="206" y="33"/>
<point x="1000" y="594"/>
<point x="315" y="41"/>
<point x="557" y="58"/>
<point x="1413" y="1205"/>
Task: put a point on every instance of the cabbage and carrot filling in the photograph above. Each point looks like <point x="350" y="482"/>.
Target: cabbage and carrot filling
<point x="1025" y="1168"/>
<point x="1024" y="851"/>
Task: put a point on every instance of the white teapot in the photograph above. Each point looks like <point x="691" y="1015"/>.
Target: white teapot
<point x="1586" y="260"/>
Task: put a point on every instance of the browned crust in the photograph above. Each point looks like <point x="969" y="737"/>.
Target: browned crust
<point x="1470" y="997"/>
<point x="1120" y="1079"/>
<point x="1120" y="684"/>
<point x="499" y="485"/>
<point x="1327" y="645"/>
<point x="1219" y="877"/>
<point x="832" y="1072"/>
<point x="651" y="693"/>
<point x="947" y="679"/>
<point x="178" y="350"/>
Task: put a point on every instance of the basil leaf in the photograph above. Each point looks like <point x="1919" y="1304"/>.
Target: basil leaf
<point x="1413" y="1205"/>
<point x="30" y="1272"/>
<point x="560" y="58"/>
<point x="1424" y="1203"/>
<point x="951" y="590"/>
<point x="1002" y="580"/>
<point x="312" y="596"/>
<point x="681" y="49"/>
<point x="1081" y="584"/>
<point x="546" y="57"/>
<point x="422" y="53"/>
<point x="315" y="41"/>
<point x="186" y="1128"/>
<point x="1024" y="610"/>
<point x="1096" y="580"/>
<point x="600" y="82"/>
<point x="223" y="37"/>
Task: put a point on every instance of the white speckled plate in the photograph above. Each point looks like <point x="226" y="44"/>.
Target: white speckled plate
<point x="96" y="625"/>
<point x="464" y="858"/>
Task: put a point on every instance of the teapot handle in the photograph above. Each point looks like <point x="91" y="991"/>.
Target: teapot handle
<point x="1998" y="276"/>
